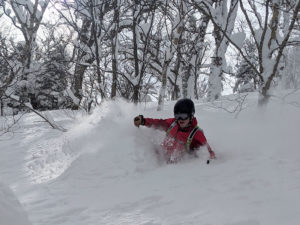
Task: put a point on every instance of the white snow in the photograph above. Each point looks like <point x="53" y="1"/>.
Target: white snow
<point x="104" y="170"/>
<point x="238" y="38"/>
<point x="11" y="212"/>
<point x="70" y="93"/>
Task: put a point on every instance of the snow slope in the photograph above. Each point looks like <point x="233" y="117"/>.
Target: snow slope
<point x="104" y="170"/>
<point x="11" y="212"/>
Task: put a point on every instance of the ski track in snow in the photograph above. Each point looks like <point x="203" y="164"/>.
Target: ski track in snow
<point x="104" y="170"/>
<point x="48" y="159"/>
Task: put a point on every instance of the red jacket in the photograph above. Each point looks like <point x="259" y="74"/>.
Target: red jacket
<point x="174" y="143"/>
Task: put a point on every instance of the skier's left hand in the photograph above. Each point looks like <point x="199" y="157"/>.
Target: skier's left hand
<point x="212" y="155"/>
<point x="139" y="120"/>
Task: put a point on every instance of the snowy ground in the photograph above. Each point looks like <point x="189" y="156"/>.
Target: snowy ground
<point x="104" y="171"/>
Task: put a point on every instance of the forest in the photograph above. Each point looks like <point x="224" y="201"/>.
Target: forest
<point x="64" y="54"/>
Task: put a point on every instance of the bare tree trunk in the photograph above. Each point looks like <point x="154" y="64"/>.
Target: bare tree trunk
<point x="218" y="60"/>
<point x="114" y="49"/>
<point x="114" y="72"/>
<point x="196" y="85"/>
<point x="97" y="33"/>
<point x="200" y="54"/>
<point x="136" y="94"/>
<point x="77" y="86"/>
<point x="273" y="39"/>
<point x="185" y="82"/>
<point x="80" y="69"/>
<point x="175" y="37"/>
<point x="1" y="107"/>
<point x="136" y="88"/>
<point x="215" y="79"/>
<point x="176" y="89"/>
<point x="162" y="93"/>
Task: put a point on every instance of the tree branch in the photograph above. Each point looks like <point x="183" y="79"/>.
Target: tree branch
<point x="54" y="126"/>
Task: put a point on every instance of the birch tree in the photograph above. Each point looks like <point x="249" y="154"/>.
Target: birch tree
<point x="223" y="20"/>
<point x="86" y="18"/>
<point x="174" y="33"/>
<point x="114" y="47"/>
<point x="290" y="76"/>
<point x="193" y="50"/>
<point x="269" y="41"/>
<point x="290" y="63"/>
<point x="137" y="32"/>
<point x="263" y="24"/>
<point x="26" y="16"/>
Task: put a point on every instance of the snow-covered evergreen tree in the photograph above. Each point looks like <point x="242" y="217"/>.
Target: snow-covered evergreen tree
<point x="245" y="78"/>
<point x="51" y="83"/>
<point x="4" y="71"/>
<point x="26" y="16"/>
<point x="10" y="73"/>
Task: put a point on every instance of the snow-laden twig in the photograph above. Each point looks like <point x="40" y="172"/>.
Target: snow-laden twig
<point x="238" y="101"/>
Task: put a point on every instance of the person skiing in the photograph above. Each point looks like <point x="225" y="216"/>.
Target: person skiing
<point x="182" y="133"/>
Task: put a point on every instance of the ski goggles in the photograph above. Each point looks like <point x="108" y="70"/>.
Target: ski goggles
<point x="181" y="116"/>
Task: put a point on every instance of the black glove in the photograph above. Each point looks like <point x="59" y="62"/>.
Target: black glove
<point x="139" y="120"/>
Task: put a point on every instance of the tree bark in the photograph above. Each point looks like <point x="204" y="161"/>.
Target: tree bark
<point x="114" y="50"/>
<point x="163" y="85"/>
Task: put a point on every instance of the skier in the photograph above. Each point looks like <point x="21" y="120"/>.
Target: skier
<point x="182" y="133"/>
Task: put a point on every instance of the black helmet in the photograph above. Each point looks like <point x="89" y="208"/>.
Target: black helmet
<point x="184" y="106"/>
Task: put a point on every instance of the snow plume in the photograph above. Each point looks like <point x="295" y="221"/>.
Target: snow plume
<point x="103" y="135"/>
<point x="107" y="131"/>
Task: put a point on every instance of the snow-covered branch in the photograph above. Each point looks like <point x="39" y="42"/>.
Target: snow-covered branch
<point x="235" y="104"/>
<point x="45" y="118"/>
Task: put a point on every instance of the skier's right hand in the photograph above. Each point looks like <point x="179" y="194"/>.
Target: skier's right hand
<point x="139" y="120"/>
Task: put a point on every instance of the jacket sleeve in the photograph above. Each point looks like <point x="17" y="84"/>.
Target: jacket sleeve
<point x="161" y="124"/>
<point x="200" y="140"/>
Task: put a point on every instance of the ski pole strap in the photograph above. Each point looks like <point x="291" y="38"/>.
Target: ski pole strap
<point x="190" y="138"/>
<point x="171" y="127"/>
